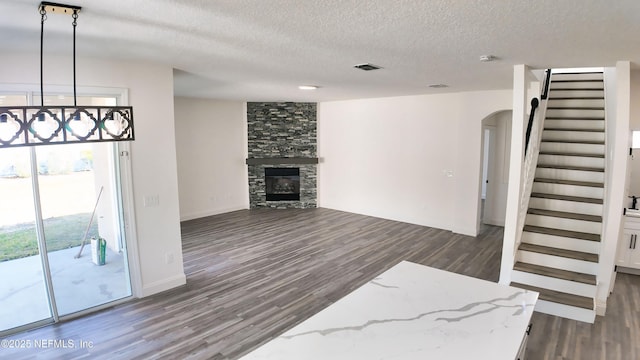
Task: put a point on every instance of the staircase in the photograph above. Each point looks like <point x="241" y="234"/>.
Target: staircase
<point x="559" y="253"/>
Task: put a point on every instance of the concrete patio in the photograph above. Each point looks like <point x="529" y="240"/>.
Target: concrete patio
<point x="78" y="284"/>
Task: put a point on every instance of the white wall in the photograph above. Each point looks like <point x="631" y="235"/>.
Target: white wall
<point x="522" y="85"/>
<point x="634" y="163"/>
<point x="153" y="153"/>
<point x="211" y="150"/>
<point x="413" y="158"/>
<point x="618" y="86"/>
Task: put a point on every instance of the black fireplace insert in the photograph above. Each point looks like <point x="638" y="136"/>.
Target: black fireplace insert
<point x="282" y="184"/>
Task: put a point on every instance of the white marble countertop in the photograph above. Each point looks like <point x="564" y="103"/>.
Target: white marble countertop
<point x="412" y="311"/>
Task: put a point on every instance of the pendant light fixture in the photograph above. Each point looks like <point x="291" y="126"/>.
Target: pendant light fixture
<point x="44" y="125"/>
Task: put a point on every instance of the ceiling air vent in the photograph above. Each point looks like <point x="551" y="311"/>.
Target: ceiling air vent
<point x="367" y="67"/>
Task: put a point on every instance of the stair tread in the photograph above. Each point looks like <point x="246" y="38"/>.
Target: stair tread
<point x="556" y="273"/>
<point x="566" y="198"/>
<point x="565" y="215"/>
<point x="578" y="73"/>
<point x="570" y="254"/>
<point x="578" y="98"/>
<point x="575" y="108"/>
<point x="576" y="80"/>
<point x="570" y="141"/>
<point x="562" y="233"/>
<point x="559" y="297"/>
<point x="567" y="167"/>
<point x="559" y="153"/>
<point x="578" y="89"/>
<point x="569" y="182"/>
<point x="574" y="129"/>
<point x="596" y="118"/>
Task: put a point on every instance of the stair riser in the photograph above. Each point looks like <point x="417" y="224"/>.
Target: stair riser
<point x="565" y="311"/>
<point x="569" y="190"/>
<point x="564" y="224"/>
<point x="585" y="267"/>
<point x="576" y="85"/>
<point x="577" y="76"/>
<point x="572" y="148"/>
<point x="551" y="283"/>
<point x="566" y="206"/>
<point x="562" y="160"/>
<point x="574" y="175"/>
<point x="578" y="93"/>
<point x="574" y="124"/>
<point x="586" y="113"/>
<point x="575" y="102"/>
<point x="560" y="242"/>
<point x="563" y="135"/>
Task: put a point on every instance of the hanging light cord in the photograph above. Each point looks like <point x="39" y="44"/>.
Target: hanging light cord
<point x="74" y="23"/>
<point x="43" y="17"/>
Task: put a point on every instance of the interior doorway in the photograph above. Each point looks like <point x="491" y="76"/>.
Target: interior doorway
<point x="496" y="149"/>
<point x="63" y="248"/>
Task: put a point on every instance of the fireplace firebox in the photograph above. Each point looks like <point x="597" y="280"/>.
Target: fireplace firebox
<point x="282" y="184"/>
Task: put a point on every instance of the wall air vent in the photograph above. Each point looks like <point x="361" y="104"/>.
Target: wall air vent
<point x="367" y="67"/>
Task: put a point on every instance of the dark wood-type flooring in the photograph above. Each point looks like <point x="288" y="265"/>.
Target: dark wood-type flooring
<point x="251" y="275"/>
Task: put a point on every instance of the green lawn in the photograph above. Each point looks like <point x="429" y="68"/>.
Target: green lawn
<point x="18" y="241"/>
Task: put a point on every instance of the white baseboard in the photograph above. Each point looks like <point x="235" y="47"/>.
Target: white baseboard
<point x="494" y="222"/>
<point x="461" y="230"/>
<point x="163" y="285"/>
<point x="201" y="214"/>
<point x="469" y="231"/>
<point x="601" y="307"/>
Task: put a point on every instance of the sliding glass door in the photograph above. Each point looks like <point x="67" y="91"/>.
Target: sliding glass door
<point x="24" y="297"/>
<point x="81" y="226"/>
<point x="62" y="239"/>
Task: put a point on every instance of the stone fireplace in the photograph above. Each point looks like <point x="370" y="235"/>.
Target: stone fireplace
<point x="282" y="151"/>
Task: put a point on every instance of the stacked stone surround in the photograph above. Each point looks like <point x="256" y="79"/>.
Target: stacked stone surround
<point x="282" y="130"/>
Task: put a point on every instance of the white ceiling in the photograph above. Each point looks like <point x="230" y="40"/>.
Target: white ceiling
<point x="261" y="50"/>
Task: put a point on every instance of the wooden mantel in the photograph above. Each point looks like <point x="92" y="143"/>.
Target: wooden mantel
<point x="280" y="161"/>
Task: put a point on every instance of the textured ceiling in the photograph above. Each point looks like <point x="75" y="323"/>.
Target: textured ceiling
<point x="260" y="50"/>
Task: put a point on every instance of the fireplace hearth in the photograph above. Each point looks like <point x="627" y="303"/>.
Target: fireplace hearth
<point x="282" y="184"/>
